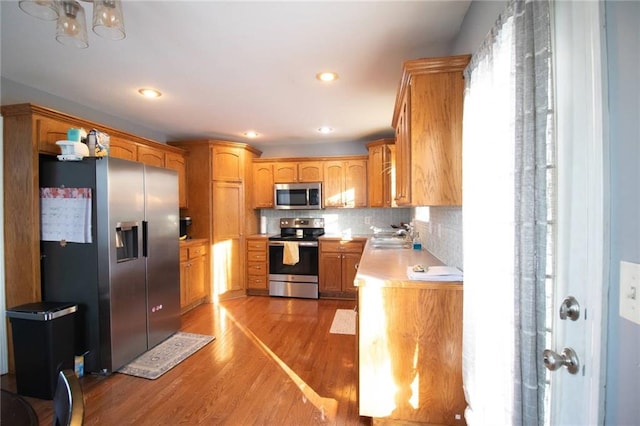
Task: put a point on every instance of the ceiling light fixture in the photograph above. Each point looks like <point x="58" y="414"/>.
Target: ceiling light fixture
<point x="327" y="76"/>
<point x="71" y="28"/>
<point x="251" y="134"/>
<point x="149" y="93"/>
<point x="325" y="130"/>
<point x="41" y="9"/>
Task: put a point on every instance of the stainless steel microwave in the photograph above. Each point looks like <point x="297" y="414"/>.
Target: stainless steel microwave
<point x="298" y="196"/>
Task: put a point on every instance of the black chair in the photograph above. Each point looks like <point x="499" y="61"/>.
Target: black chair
<point x="68" y="401"/>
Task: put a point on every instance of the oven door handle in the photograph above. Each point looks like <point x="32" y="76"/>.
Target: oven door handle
<point x="300" y="243"/>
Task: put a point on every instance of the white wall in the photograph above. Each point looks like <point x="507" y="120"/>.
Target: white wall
<point x="476" y="25"/>
<point x="623" y="346"/>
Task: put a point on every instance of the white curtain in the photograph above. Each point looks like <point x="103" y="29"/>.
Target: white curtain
<point x="506" y="148"/>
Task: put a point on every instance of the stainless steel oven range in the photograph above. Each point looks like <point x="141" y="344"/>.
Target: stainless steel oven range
<point x="299" y="279"/>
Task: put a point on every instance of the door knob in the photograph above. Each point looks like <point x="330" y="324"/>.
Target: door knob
<point x="570" y="308"/>
<point x="568" y="358"/>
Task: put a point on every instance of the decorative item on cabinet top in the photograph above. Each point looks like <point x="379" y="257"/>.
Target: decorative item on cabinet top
<point x="50" y="126"/>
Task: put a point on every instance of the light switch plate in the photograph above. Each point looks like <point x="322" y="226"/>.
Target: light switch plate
<point x="630" y="291"/>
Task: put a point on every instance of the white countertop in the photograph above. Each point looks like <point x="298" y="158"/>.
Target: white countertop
<point x="388" y="268"/>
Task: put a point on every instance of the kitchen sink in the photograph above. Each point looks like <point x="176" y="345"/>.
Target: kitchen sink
<point x="390" y="240"/>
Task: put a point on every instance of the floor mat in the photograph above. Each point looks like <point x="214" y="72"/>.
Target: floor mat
<point x="344" y="322"/>
<point x="157" y="361"/>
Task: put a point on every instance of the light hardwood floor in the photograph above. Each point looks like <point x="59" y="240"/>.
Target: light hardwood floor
<point x="273" y="362"/>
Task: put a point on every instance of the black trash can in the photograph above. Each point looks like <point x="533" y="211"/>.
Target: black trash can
<point x="43" y="344"/>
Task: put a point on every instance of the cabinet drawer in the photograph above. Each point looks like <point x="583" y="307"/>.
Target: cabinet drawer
<point x="184" y="254"/>
<point x="255" y="281"/>
<point x="197" y="251"/>
<point x="257" y="245"/>
<point x="341" y="246"/>
<point x="257" y="268"/>
<point x="256" y="256"/>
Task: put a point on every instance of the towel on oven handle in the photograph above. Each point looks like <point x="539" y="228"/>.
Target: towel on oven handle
<point x="291" y="255"/>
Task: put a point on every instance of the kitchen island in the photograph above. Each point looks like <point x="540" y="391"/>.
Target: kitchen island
<point x="409" y="341"/>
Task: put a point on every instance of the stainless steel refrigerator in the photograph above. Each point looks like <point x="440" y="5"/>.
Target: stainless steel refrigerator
<point x="126" y="281"/>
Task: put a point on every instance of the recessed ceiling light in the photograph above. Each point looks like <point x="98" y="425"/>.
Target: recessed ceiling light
<point x="251" y="134"/>
<point x="327" y="76"/>
<point x="149" y="93"/>
<point x="325" y="130"/>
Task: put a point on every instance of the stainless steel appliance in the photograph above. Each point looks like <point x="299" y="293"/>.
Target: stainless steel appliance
<point x="301" y="279"/>
<point x="298" y="196"/>
<point x="126" y="282"/>
<point x="185" y="223"/>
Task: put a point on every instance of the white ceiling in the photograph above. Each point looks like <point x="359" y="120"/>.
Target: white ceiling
<point x="227" y="67"/>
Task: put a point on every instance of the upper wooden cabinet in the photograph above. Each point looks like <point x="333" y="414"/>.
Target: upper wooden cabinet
<point x="428" y="122"/>
<point x="381" y="185"/>
<point x="262" y="183"/>
<point x="344" y="179"/>
<point x="285" y="172"/>
<point x="297" y="171"/>
<point x="50" y="130"/>
<point x="178" y="162"/>
<point x="151" y="156"/>
<point x="227" y="163"/>
<point x="345" y="183"/>
<point x="122" y="148"/>
<point x="310" y="171"/>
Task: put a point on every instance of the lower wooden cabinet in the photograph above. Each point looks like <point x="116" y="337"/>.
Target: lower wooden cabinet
<point x="339" y="261"/>
<point x="417" y="378"/>
<point x="257" y="265"/>
<point x="193" y="273"/>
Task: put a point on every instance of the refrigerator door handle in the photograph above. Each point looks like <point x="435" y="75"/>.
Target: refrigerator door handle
<point x="145" y="238"/>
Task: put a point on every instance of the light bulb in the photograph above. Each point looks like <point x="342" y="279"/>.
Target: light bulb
<point x="107" y="19"/>
<point x="70" y="26"/>
<point x="71" y="29"/>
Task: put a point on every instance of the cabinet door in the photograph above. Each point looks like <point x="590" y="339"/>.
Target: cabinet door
<point x="285" y="172"/>
<point x="350" y="262"/>
<point x="376" y="176"/>
<point x="228" y="219"/>
<point x="310" y="171"/>
<point x="345" y="183"/>
<point x="122" y="148"/>
<point x="390" y="168"/>
<point x="403" y="154"/>
<point x="436" y="139"/>
<point x="49" y="132"/>
<point x="197" y="285"/>
<point x="262" y="185"/>
<point x="150" y="156"/>
<point x="178" y="163"/>
<point x="333" y="186"/>
<point x="330" y="272"/>
<point x="184" y="284"/>
<point x="227" y="163"/>
<point x="355" y="187"/>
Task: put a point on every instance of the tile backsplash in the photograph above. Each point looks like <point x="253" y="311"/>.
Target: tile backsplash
<point x="441" y="233"/>
<point x="342" y="221"/>
<point x="440" y="228"/>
